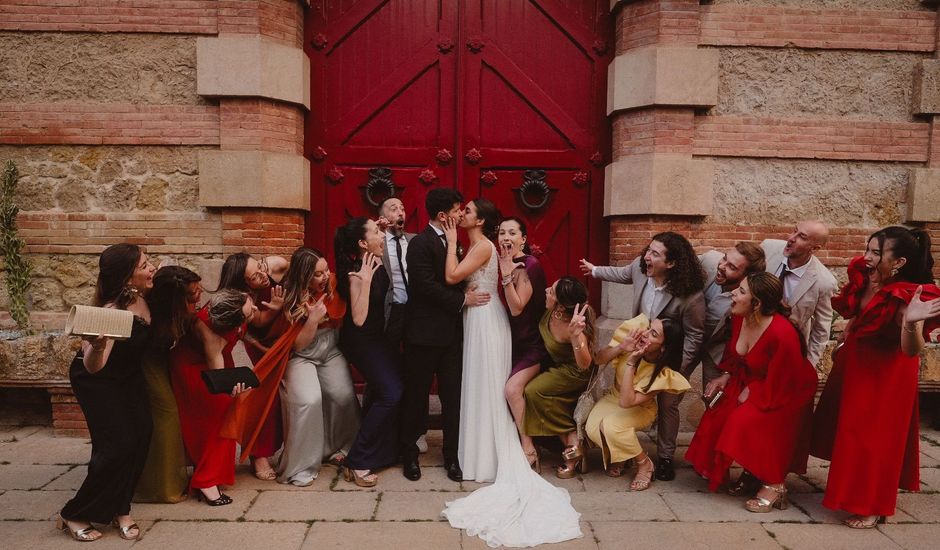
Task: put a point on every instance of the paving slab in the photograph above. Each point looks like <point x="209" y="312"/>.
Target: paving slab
<point x="213" y="535"/>
<point x="930" y="479"/>
<point x="245" y="479"/>
<point x="812" y="505"/>
<point x="924" y="508"/>
<point x="312" y="506"/>
<point x="32" y="504"/>
<point x="192" y="508"/>
<point x="913" y="537"/>
<point x="816" y="476"/>
<point x="402" y="506"/>
<point x="42" y="448"/>
<point x="927" y="461"/>
<point x="836" y="537"/>
<point x="586" y="542"/>
<point x="433" y="478"/>
<point x="29" y="476"/>
<point x="71" y="480"/>
<point x="42" y="535"/>
<point x="933" y="451"/>
<point x="685" y="536"/>
<point x="719" y="507"/>
<point x="382" y="534"/>
<point x="639" y="506"/>
<point x="16" y="433"/>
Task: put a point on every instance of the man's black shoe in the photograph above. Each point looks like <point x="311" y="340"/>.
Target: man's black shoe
<point x="665" y="470"/>
<point x="410" y="468"/>
<point x="453" y="471"/>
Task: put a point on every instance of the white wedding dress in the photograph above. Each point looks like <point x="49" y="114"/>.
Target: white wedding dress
<point x="520" y="508"/>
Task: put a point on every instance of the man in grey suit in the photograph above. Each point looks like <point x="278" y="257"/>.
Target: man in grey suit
<point x="392" y="217"/>
<point x="808" y="285"/>
<point x="667" y="283"/>
<point x="724" y="271"/>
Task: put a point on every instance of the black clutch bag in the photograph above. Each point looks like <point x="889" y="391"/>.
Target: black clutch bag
<point x="223" y="380"/>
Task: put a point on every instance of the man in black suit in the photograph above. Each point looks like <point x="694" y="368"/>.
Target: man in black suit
<point x="433" y="335"/>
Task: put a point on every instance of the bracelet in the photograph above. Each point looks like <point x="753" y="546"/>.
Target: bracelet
<point x="576" y="348"/>
<point x="451" y="253"/>
<point x="909" y="330"/>
<point x="507" y="280"/>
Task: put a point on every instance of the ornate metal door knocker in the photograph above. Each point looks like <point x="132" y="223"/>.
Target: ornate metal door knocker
<point x="380" y="183"/>
<point x="534" y="193"/>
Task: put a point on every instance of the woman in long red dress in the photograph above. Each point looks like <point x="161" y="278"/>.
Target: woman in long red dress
<point x="209" y="345"/>
<point x="762" y="420"/>
<point x="866" y="422"/>
<point x="261" y="279"/>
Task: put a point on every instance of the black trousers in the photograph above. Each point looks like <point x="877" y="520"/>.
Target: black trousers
<point x="421" y="364"/>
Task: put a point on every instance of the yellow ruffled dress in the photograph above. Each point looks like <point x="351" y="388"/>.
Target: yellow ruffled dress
<point x="618" y="438"/>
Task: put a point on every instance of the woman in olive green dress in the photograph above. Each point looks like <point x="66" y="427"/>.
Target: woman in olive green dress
<point x="567" y="329"/>
<point x="165" y="478"/>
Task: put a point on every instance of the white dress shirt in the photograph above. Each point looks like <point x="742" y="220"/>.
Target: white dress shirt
<point x="399" y="292"/>
<point x="792" y="280"/>
<point x="652" y="294"/>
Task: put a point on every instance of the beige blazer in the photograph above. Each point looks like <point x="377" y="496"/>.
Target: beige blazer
<point x="811" y="301"/>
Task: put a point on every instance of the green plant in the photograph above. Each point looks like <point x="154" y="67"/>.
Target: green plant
<point x="19" y="272"/>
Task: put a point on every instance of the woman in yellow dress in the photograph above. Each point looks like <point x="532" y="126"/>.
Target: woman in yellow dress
<point x="639" y="351"/>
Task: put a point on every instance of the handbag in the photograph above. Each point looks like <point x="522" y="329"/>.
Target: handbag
<point x="596" y="388"/>
<point x="224" y="380"/>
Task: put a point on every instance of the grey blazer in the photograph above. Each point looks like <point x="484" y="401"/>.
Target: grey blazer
<point x="712" y="350"/>
<point x="811" y="301"/>
<point x="689" y="311"/>
<point x="387" y="262"/>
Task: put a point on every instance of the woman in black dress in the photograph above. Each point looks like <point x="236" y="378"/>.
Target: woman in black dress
<point x="363" y="283"/>
<point x="112" y="392"/>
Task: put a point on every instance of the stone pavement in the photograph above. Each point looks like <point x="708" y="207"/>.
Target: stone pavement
<point x="39" y="472"/>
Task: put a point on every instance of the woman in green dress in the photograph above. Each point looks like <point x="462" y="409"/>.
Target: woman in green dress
<point x="165" y="479"/>
<point x="567" y="329"/>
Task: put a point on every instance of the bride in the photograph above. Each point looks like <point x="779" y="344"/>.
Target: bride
<point x="520" y="508"/>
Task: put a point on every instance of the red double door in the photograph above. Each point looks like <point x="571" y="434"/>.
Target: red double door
<point x="504" y="99"/>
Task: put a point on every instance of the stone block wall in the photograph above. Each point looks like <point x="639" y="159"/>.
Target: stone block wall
<point x="104" y="110"/>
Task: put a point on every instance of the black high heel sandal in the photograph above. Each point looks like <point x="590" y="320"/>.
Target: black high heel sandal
<point x="221" y="501"/>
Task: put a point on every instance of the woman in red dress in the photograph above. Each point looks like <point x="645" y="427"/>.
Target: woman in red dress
<point x="208" y="345"/>
<point x="762" y="420"/>
<point x="261" y="279"/>
<point x="866" y="422"/>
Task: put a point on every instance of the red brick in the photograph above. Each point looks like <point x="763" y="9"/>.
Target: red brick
<point x="152" y="16"/>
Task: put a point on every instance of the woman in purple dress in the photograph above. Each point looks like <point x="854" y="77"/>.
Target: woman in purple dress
<point x="523" y="289"/>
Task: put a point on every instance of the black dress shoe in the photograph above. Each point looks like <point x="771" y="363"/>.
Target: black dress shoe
<point x="453" y="471"/>
<point x="410" y="469"/>
<point x="665" y="470"/>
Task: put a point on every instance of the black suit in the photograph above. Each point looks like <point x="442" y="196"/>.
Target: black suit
<point x="433" y="343"/>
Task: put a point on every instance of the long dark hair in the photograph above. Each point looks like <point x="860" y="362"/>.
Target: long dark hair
<point x="671" y="351"/>
<point x="490" y="215"/>
<point x="169" y="307"/>
<point x="303" y="264"/>
<point x="768" y="290"/>
<point x="116" y="266"/>
<point x="233" y="272"/>
<point x="522" y="229"/>
<point x="348" y="254"/>
<point x="911" y="244"/>
<point x="570" y="292"/>
<point x="686" y="277"/>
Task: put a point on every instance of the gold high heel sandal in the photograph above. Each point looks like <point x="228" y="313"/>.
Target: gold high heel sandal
<point x="641" y="481"/>
<point x="350" y="475"/>
<point x="859" y="522"/>
<point x="534" y="462"/>
<point x="85" y="534"/>
<point x="576" y="454"/>
<point x="760" y="505"/>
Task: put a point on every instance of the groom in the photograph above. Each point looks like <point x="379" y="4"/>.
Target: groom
<point x="433" y="335"/>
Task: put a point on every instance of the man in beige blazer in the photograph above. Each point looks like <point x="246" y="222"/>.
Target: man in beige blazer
<point x="808" y="285"/>
<point x="667" y="264"/>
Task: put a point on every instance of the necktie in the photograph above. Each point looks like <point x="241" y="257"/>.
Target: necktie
<point x="783" y="273"/>
<point x="401" y="264"/>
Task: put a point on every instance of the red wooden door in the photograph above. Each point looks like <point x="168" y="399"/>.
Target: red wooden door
<point x="504" y="99"/>
<point x="533" y="131"/>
